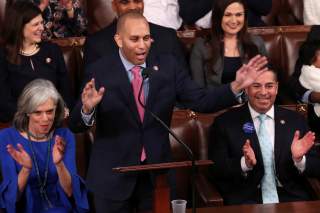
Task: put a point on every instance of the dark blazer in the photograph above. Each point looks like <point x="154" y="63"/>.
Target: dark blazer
<point x="119" y="131"/>
<point x="102" y="43"/>
<point x="200" y="56"/>
<point x="227" y="138"/>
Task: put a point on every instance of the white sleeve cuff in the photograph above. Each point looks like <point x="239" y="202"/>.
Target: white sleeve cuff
<point x="244" y="166"/>
<point x="305" y="97"/>
<point x="88" y="119"/>
<point x="301" y="165"/>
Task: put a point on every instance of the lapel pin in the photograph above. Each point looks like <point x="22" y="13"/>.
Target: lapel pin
<point x="155" y="68"/>
<point x="282" y="122"/>
<point x="48" y="60"/>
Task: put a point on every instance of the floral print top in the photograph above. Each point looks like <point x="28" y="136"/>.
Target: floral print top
<point x="57" y="24"/>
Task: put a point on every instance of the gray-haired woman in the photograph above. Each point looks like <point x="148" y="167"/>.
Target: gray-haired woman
<point x="37" y="158"/>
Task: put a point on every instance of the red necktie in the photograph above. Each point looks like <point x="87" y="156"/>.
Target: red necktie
<point x="136" y="84"/>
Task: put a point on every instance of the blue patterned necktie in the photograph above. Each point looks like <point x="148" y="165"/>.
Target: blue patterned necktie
<point x="268" y="184"/>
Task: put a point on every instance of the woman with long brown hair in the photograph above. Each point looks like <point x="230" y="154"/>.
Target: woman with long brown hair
<point x="216" y="58"/>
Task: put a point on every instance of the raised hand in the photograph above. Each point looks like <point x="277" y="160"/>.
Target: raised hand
<point x="20" y="156"/>
<point x="43" y="4"/>
<point x="66" y="3"/>
<point x="246" y="75"/>
<point x="300" y="147"/>
<point x="58" y="149"/>
<point x="249" y="156"/>
<point x="90" y="97"/>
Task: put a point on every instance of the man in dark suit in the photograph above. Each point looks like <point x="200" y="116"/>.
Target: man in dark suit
<point x="238" y="149"/>
<point x="101" y="43"/>
<point x="125" y="135"/>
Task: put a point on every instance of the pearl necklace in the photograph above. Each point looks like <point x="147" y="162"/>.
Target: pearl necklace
<point x="29" y="53"/>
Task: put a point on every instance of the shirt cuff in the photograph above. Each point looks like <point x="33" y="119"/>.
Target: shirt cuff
<point x="238" y="96"/>
<point x="88" y="119"/>
<point x="301" y="165"/>
<point x="244" y="166"/>
<point x="305" y="97"/>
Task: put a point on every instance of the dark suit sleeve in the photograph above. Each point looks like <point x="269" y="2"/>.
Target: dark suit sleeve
<point x="225" y="167"/>
<point x="201" y="99"/>
<point x="192" y="10"/>
<point x="313" y="163"/>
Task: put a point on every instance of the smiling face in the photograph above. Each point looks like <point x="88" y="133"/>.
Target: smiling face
<point x="134" y="40"/>
<point x="32" y="30"/>
<point x="263" y="92"/>
<point x="41" y="120"/>
<point x="123" y="6"/>
<point x="233" y="19"/>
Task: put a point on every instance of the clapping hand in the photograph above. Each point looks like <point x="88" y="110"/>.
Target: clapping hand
<point x="300" y="147"/>
<point x="58" y="149"/>
<point x="249" y="156"/>
<point x="90" y="97"/>
<point x="247" y="74"/>
<point x="20" y="156"/>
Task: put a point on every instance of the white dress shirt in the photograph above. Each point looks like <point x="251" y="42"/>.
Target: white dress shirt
<point x="163" y="12"/>
<point x="311" y="14"/>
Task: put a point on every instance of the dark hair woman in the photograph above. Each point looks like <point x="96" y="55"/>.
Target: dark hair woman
<point x="24" y="57"/>
<point x="216" y="58"/>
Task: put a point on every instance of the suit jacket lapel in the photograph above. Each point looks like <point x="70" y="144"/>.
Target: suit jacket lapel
<point x="154" y="84"/>
<point x="254" y="141"/>
<point x="121" y="76"/>
<point x="280" y="127"/>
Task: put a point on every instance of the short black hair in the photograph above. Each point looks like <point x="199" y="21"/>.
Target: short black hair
<point x="308" y="51"/>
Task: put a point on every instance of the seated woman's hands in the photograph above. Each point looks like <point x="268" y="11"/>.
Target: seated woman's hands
<point x="58" y="150"/>
<point x="20" y="156"/>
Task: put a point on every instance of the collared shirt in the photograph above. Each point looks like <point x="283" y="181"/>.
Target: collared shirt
<point x="270" y="124"/>
<point x="128" y="66"/>
<point x="88" y="119"/>
<point x="163" y="12"/>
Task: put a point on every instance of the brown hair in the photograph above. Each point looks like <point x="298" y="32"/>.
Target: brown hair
<point x="215" y="40"/>
<point x="17" y="16"/>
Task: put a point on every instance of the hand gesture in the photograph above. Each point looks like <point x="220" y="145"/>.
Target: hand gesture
<point x="58" y="150"/>
<point x="247" y="74"/>
<point x="20" y="156"/>
<point x="90" y="97"/>
<point x="66" y="3"/>
<point x="249" y="156"/>
<point x="43" y="4"/>
<point x="300" y="147"/>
